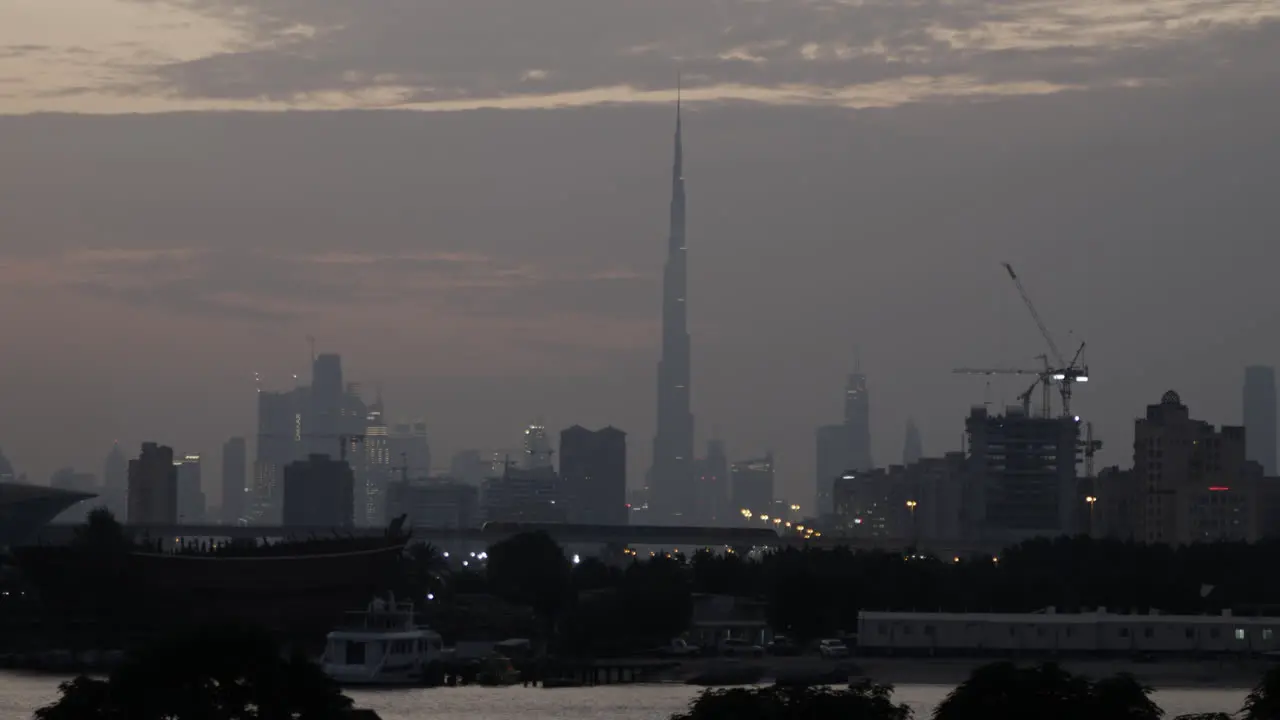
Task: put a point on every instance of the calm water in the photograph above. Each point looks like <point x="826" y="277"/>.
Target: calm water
<point x="20" y="694"/>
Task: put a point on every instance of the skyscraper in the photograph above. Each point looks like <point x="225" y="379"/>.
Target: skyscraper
<point x="537" y="447"/>
<point x="234" y="458"/>
<point x="329" y="400"/>
<point x="191" y="500"/>
<point x="913" y="446"/>
<point x="593" y="469"/>
<point x="857" y="422"/>
<point x="115" y="482"/>
<point x="1260" y="416"/>
<point x="280" y="442"/>
<point x="671" y="474"/>
<point x="319" y="492"/>
<point x="153" y="486"/>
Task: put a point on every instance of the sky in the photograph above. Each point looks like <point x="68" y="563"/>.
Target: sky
<point x="469" y="202"/>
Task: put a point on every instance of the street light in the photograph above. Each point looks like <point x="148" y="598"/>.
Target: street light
<point x="1091" y="499"/>
<point x="911" y="505"/>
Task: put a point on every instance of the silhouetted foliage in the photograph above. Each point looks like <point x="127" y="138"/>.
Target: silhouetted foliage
<point x="1004" y="691"/>
<point x="217" y="673"/>
<point x="866" y="701"/>
<point x="531" y="569"/>
<point x="423" y="571"/>
<point x="102" y="533"/>
<point x="1263" y="702"/>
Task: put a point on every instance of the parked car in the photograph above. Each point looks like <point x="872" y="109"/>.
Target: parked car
<point x="733" y="647"/>
<point x="783" y="645"/>
<point x="832" y="648"/>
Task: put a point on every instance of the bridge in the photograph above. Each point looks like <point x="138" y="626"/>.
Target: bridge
<point x="671" y="537"/>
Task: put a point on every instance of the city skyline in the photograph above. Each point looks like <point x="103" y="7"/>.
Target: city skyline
<point x="848" y="203"/>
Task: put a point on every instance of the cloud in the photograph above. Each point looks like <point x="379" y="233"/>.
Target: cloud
<point x="387" y="52"/>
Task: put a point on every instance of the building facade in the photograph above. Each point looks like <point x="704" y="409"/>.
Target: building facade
<point x="435" y="503"/>
<point x="153" y="486"/>
<point x="192" y="503"/>
<point x="593" y="473"/>
<point x="1022" y="480"/>
<point x="235" y="459"/>
<point x="319" y="492"/>
<point x="1193" y="483"/>
<point x="751" y="485"/>
<point x="1260" y="416"/>
<point x="523" y="496"/>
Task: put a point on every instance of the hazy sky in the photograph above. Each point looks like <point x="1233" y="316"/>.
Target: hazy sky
<point x="856" y="170"/>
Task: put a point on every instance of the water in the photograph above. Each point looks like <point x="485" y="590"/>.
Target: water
<point x="21" y="694"/>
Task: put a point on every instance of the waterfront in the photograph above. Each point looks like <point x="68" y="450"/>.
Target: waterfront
<point x="20" y="694"/>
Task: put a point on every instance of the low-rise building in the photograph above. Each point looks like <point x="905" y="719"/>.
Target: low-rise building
<point x="1050" y="632"/>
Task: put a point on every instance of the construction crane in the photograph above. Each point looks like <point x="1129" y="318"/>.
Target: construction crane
<point x="1065" y="374"/>
<point x="1042" y="378"/>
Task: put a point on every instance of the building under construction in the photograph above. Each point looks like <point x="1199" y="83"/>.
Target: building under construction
<point x="1021" y="479"/>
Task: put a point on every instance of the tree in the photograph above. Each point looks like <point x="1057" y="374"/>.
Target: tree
<point x="1263" y="702"/>
<point x="216" y="673"/>
<point x="531" y="569"/>
<point x="424" y="571"/>
<point x="101" y="532"/>
<point x="1004" y="691"/>
<point x="865" y="701"/>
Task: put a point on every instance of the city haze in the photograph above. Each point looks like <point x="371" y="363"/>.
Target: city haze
<point x="492" y="266"/>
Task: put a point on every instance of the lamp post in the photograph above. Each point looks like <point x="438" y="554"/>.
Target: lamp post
<point x="1091" y="499"/>
<point x="911" y="506"/>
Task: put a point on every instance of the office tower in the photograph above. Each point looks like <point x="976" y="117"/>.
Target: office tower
<point x="372" y="462"/>
<point x="536" y="448"/>
<point x="153" y="486"/>
<point x="1022" y="479"/>
<point x="711" y="501"/>
<point x="328" y="400"/>
<point x="469" y="467"/>
<point x="671" y="473"/>
<point x="435" y="503"/>
<point x="519" y="495"/>
<point x="1260" y="416"/>
<point x="1193" y="482"/>
<point x="191" y="500"/>
<point x="912" y="447"/>
<point x="752" y="486"/>
<point x="234" y="460"/>
<point x="115" y="482"/>
<point x="281" y="434"/>
<point x="833" y="460"/>
<point x="593" y="473"/>
<point x="319" y="492"/>
<point x="411" y="451"/>
<point x="857" y="422"/>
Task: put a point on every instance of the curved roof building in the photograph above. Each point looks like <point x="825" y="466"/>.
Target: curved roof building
<point x="24" y="509"/>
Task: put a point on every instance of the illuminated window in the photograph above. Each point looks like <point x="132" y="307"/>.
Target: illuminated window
<point x="1239" y="633"/>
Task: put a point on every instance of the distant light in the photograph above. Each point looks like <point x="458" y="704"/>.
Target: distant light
<point x="576" y="559"/>
<point x="1218" y="488"/>
<point x="955" y="559"/>
<point x="1082" y="378"/>
<point x="1077" y="418"/>
<point x="857" y="521"/>
<point x="446" y="554"/>
<point x="1059" y="377"/>
<point x="465" y="563"/>
<point x="849" y="477"/>
<point x="431" y="596"/>
<point x="473" y="554"/>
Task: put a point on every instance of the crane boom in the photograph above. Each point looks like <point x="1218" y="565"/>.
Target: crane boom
<point x="1044" y="331"/>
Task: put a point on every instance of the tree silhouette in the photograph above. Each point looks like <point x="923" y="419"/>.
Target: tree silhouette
<point x="1263" y="702"/>
<point x="531" y="569"/>
<point x="216" y="673"/>
<point x="865" y="701"/>
<point x="1004" y="691"/>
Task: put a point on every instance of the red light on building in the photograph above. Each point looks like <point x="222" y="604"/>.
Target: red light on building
<point x="1218" y="488"/>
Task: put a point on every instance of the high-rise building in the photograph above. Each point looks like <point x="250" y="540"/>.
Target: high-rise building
<point x="191" y="499"/>
<point x="593" y="473"/>
<point x="752" y="485"/>
<point x="857" y="422"/>
<point x="319" y="492"/>
<point x="1022" y="476"/>
<point x="7" y="474"/>
<point x="1260" y="416"/>
<point x="281" y="435"/>
<point x="115" y="482"/>
<point x="712" y="491"/>
<point x="435" y="503"/>
<point x="373" y="468"/>
<point x="671" y="474"/>
<point x="523" y="496"/>
<point x="234" y="465"/>
<point x="536" y="448"/>
<point x="1193" y="482"/>
<point x="153" y="486"/>
<point x="913" y="446"/>
<point x="329" y="399"/>
<point x="411" y="450"/>
<point x="833" y="457"/>
<point x="468" y="466"/>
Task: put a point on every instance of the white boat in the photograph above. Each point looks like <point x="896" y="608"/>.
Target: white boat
<point x="381" y="645"/>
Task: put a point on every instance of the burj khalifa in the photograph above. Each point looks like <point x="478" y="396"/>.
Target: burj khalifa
<point x="671" y="490"/>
